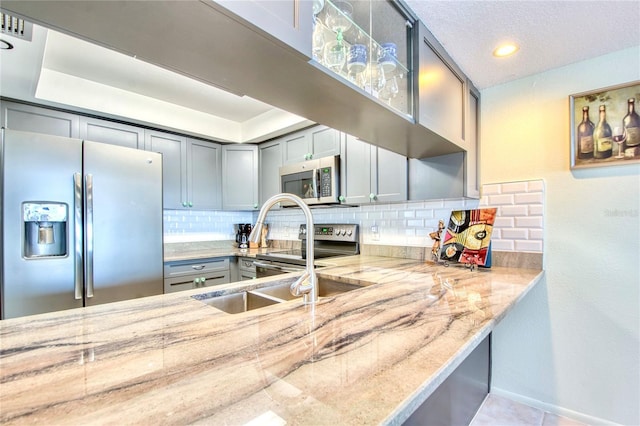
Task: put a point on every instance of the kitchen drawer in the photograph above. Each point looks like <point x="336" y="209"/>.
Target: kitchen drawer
<point x="246" y="264"/>
<point x="195" y="267"/>
<point x="246" y="268"/>
<point x="172" y="285"/>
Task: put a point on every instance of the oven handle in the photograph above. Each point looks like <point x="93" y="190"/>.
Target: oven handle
<point x="277" y="268"/>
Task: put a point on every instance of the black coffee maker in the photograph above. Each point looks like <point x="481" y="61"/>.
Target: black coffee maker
<point x="242" y="234"/>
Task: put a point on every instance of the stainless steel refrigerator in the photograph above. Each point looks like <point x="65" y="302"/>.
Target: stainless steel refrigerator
<point x="81" y="223"/>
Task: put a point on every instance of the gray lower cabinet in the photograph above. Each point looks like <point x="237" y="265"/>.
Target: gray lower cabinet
<point x="270" y="160"/>
<point x="246" y="268"/>
<point x="113" y="133"/>
<point x="240" y="171"/>
<point x="314" y="142"/>
<point x="371" y="174"/>
<point x="29" y="118"/>
<point x="191" y="274"/>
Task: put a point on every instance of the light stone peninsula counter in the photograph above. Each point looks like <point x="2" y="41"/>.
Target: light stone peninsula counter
<point x="368" y="356"/>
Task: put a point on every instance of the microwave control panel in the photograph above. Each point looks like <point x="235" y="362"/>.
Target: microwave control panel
<point x="325" y="182"/>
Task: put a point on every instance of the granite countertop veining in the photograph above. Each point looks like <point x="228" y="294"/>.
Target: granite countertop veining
<point x="208" y="249"/>
<point x="368" y="356"/>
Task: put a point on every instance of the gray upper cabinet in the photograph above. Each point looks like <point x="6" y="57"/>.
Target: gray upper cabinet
<point x="314" y="142"/>
<point x="240" y="171"/>
<point x="436" y="177"/>
<point x="35" y="119"/>
<point x="441" y="101"/>
<point x="289" y="21"/>
<point x="472" y="131"/>
<point x="371" y="174"/>
<point x="190" y="171"/>
<point x="271" y="158"/>
<point x="97" y="130"/>
<point x="204" y="175"/>
<point x="391" y="175"/>
<point x="174" y="167"/>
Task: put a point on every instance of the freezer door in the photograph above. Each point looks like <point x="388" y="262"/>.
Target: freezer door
<point x="37" y="169"/>
<point x="123" y="215"/>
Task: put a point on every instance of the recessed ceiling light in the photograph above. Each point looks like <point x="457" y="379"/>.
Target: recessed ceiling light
<point x="505" y="50"/>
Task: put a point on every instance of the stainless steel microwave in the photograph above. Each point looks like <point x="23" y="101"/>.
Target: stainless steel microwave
<point x="315" y="181"/>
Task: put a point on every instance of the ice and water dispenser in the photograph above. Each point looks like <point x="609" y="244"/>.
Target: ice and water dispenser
<point x="45" y="229"/>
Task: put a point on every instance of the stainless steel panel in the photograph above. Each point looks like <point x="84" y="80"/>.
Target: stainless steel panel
<point x="88" y="232"/>
<point x="36" y="168"/>
<point x="127" y="222"/>
<point x="457" y="399"/>
<point x="79" y="235"/>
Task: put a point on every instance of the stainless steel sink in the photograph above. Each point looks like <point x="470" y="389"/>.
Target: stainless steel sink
<point x="326" y="287"/>
<point x="244" y="301"/>
<point x="237" y="303"/>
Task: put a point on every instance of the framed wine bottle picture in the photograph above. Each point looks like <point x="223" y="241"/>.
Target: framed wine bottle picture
<point x="605" y="126"/>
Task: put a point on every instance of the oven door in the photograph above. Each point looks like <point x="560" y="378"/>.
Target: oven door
<point x="267" y="268"/>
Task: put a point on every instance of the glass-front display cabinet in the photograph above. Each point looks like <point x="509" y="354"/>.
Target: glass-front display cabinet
<point x="367" y="43"/>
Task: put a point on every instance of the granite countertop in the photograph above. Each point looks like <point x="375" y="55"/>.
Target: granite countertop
<point x="174" y="252"/>
<point x="368" y="356"/>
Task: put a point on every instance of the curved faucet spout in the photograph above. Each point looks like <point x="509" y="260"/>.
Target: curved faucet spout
<point x="310" y="290"/>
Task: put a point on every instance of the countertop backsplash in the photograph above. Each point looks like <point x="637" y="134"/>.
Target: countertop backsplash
<point x="402" y="228"/>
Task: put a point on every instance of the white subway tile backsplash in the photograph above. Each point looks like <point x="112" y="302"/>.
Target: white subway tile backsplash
<point x="514" y="188"/>
<point x="535" y="186"/>
<point x="536" y="210"/>
<point x="501" y="200"/>
<point x="502" y="245"/>
<point x="536" y="234"/>
<point x="518" y="225"/>
<point x="503" y="222"/>
<point x="529" y="222"/>
<point x="528" y="245"/>
<point x="515" y="234"/>
<point x="491" y="189"/>
<point x="514" y="210"/>
<point x="530" y="198"/>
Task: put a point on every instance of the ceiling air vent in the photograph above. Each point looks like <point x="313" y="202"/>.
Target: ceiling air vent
<point x="16" y="27"/>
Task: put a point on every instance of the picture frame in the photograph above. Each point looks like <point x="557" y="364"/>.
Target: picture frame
<point x="467" y="238"/>
<point x="592" y="146"/>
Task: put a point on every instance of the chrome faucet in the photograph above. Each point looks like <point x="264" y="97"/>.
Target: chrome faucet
<point x="309" y="291"/>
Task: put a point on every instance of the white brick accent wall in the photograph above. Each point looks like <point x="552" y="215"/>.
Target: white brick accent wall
<point x="519" y="223"/>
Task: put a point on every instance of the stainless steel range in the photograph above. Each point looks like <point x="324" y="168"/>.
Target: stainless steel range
<point x="329" y="240"/>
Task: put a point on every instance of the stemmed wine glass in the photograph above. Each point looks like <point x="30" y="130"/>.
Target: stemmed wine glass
<point x="390" y="89"/>
<point x="317" y="42"/>
<point x="338" y="19"/>
<point x="619" y="136"/>
<point x="335" y="54"/>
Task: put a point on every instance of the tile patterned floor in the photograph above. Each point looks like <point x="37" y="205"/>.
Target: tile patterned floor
<point x="499" y="411"/>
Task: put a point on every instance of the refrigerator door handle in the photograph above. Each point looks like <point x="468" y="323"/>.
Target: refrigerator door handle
<point x="88" y="267"/>
<point x="78" y="249"/>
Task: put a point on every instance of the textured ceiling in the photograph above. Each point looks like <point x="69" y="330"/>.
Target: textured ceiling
<point x="550" y="33"/>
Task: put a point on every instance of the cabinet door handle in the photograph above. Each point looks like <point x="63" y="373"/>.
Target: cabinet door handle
<point x="198" y="267"/>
